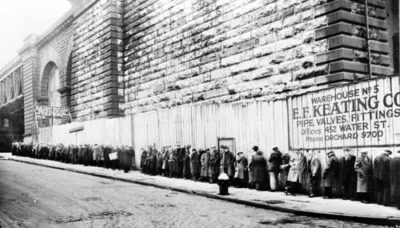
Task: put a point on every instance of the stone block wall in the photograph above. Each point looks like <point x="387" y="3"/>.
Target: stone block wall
<point x="346" y="34"/>
<point x="185" y="51"/>
<point x="97" y="55"/>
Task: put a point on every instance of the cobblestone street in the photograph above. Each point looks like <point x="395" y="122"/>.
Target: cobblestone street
<point x="34" y="196"/>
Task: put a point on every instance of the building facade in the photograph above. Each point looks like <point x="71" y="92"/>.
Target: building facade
<point x="198" y="72"/>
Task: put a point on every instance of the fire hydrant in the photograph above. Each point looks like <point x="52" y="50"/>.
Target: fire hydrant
<point x="223" y="182"/>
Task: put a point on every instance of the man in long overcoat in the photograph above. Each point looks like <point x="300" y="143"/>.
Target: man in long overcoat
<point x="213" y="170"/>
<point x="143" y="158"/>
<point x="186" y="163"/>
<point x="274" y="163"/>
<point x="363" y="167"/>
<point x="205" y="163"/>
<point x="195" y="164"/>
<point x="315" y="174"/>
<point x="297" y="164"/>
<point x="348" y="175"/>
<point x="381" y="172"/>
<point x="395" y="180"/>
<point x="227" y="164"/>
<point x="171" y="162"/>
<point x="330" y="174"/>
<point x="160" y="160"/>
<point x="241" y="172"/>
<point x="258" y="167"/>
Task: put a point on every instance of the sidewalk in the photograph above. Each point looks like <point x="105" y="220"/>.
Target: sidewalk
<point x="301" y="204"/>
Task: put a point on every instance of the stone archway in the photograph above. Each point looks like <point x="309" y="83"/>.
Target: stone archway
<point x="50" y="84"/>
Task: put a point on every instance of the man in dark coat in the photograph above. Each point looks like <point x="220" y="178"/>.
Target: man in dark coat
<point x="186" y="163"/>
<point x="213" y="170"/>
<point x="160" y="160"/>
<point x="195" y="164"/>
<point x="205" y="163"/>
<point x="382" y="177"/>
<point x="241" y="172"/>
<point x="315" y="173"/>
<point x="395" y="180"/>
<point x="227" y="164"/>
<point x="330" y="174"/>
<point x="274" y="163"/>
<point x="143" y="158"/>
<point x="363" y="167"/>
<point x="258" y="167"/>
<point x="348" y="175"/>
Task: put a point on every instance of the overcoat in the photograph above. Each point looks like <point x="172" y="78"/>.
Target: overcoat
<point x="228" y="163"/>
<point x="347" y="172"/>
<point x="395" y="179"/>
<point x="298" y="163"/>
<point x="186" y="164"/>
<point x="275" y="161"/>
<point x="315" y="166"/>
<point x="195" y="163"/>
<point x="330" y="172"/>
<point x="381" y="168"/>
<point x="363" y="167"/>
<point x="242" y="172"/>
<point x="213" y="170"/>
<point x="205" y="163"/>
<point x="258" y="167"/>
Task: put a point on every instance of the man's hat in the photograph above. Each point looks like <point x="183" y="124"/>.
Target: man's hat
<point x="275" y="149"/>
<point x="331" y="153"/>
<point x="388" y="151"/>
<point x="255" y="148"/>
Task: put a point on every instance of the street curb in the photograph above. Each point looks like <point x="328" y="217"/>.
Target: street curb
<point x="367" y="220"/>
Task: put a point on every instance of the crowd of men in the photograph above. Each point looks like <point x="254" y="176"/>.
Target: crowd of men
<point x="354" y="178"/>
<point x="106" y="156"/>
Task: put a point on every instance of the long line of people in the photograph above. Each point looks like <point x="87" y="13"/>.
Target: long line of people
<point x="349" y="177"/>
<point x="106" y="156"/>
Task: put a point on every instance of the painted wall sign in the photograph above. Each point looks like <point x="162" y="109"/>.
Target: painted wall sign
<point x="52" y="112"/>
<point x="365" y="114"/>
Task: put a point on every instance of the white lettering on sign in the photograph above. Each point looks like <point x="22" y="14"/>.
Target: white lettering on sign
<point x="51" y="112"/>
<point x="363" y="114"/>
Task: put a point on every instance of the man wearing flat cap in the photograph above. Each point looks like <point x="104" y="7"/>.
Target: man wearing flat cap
<point x="382" y="177"/>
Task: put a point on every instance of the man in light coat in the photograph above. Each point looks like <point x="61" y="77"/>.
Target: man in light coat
<point x="297" y="165"/>
<point x="241" y="171"/>
<point x="363" y="167"/>
<point x="205" y="163"/>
